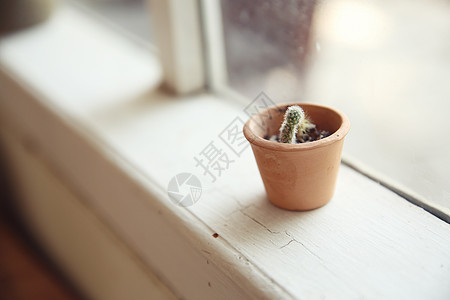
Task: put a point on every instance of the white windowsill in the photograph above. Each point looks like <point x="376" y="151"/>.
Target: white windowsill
<point x="90" y="107"/>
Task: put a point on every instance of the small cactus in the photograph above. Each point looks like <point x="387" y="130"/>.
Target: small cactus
<point x="304" y="129"/>
<point x="293" y="117"/>
<point x="297" y="128"/>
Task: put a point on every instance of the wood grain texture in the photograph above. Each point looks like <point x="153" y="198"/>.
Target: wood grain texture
<point x="121" y="152"/>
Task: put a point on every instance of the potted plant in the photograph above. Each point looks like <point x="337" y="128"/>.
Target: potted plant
<point x="298" y="149"/>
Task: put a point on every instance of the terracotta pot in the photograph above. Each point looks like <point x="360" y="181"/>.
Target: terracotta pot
<point x="298" y="176"/>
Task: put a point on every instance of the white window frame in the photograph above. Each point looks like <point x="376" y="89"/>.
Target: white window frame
<point x="178" y="33"/>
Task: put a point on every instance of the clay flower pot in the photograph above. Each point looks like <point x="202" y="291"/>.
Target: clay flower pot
<point x="298" y="176"/>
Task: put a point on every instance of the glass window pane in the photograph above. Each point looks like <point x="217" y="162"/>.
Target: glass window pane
<point x="386" y="64"/>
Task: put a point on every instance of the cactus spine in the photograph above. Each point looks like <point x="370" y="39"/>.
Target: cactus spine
<point x="293" y="117"/>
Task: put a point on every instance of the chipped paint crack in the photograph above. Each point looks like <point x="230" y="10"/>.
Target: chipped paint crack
<point x="259" y="223"/>
<point x="303" y="245"/>
<point x="241" y="206"/>
<point x="293" y="240"/>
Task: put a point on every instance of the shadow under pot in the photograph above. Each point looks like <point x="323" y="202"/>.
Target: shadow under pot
<point x="298" y="176"/>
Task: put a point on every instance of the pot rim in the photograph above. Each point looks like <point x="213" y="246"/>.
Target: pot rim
<point x="276" y="146"/>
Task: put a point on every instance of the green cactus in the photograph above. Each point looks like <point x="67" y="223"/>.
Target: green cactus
<point x="304" y="129"/>
<point x="293" y="117"/>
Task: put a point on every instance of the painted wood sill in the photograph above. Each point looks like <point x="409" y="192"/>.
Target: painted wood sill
<point x="85" y="100"/>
